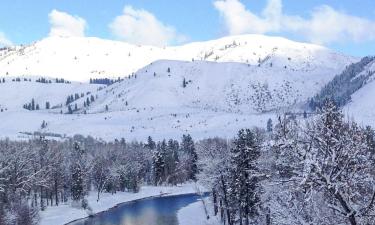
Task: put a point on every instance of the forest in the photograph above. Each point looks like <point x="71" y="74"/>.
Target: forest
<point x="315" y="170"/>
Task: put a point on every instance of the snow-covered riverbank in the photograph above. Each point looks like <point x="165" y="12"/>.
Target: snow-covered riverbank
<point x="65" y="213"/>
<point x="195" y="214"/>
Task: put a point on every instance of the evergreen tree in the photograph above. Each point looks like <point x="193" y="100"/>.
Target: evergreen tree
<point x="269" y="125"/>
<point x="158" y="166"/>
<point x="77" y="173"/>
<point x="187" y="146"/>
<point x="32" y="104"/>
<point x="244" y="175"/>
<point x="150" y="143"/>
<point x="70" y="110"/>
<point x="171" y="161"/>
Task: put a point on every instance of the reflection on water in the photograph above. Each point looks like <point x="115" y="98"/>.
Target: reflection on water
<point x="155" y="211"/>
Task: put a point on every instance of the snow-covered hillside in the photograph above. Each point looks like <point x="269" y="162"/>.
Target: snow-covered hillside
<point x="219" y="87"/>
<point x="15" y="94"/>
<point x="82" y="58"/>
<point x="362" y="106"/>
<point x="164" y="99"/>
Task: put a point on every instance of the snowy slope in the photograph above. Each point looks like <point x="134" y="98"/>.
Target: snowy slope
<point x="362" y="105"/>
<point x="224" y="87"/>
<point x="218" y="99"/>
<point x="14" y="94"/>
<point x="83" y="58"/>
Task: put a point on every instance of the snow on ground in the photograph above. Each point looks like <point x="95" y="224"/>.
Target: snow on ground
<point x="195" y="214"/>
<point x="65" y="213"/>
<point x="132" y="125"/>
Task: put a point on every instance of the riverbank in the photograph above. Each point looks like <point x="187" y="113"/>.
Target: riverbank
<point x="195" y="214"/>
<point x="65" y="213"/>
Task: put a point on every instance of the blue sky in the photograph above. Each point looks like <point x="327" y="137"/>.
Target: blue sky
<point x="344" y="25"/>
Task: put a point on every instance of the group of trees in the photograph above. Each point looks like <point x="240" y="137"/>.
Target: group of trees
<point x="105" y="81"/>
<point x="173" y="162"/>
<point x="316" y="171"/>
<point x="73" y="108"/>
<point x="230" y="169"/>
<point x="39" y="80"/>
<point x="35" y="106"/>
<point x="38" y="173"/>
<point x="72" y="98"/>
<point x="49" y="81"/>
<point x="32" y="105"/>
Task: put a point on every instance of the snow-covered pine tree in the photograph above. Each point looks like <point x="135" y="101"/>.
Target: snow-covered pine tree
<point x="158" y="165"/>
<point x="269" y="125"/>
<point x="77" y="172"/>
<point x="188" y="148"/>
<point x="245" y="185"/>
<point x="171" y="161"/>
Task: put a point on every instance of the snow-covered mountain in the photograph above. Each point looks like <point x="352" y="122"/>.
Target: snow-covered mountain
<point x="206" y="89"/>
<point x="79" y="59"/>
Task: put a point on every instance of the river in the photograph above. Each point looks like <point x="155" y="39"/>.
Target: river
<point x="150" y="211"/>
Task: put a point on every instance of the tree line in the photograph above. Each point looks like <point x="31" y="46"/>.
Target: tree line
<point x="42" y="173"/>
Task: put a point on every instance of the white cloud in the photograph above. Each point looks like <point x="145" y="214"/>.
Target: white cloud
<point x="4" y="41"/>
<point x="139" y="26"/>
<point x="325" y="25"/>
<point x="64" y="24"/>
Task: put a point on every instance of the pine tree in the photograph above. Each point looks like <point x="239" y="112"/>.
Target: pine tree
<point x="150" y="143"/>
<point x="77" y="173"/>
<point x="269" y="125"/>
<point x="187" y="146"/>
<point x="158" y="166"/>
<point x="32" y="104"/>
<point x="245" y="182"/>
<point x="70" y="111"/>
<point x="171" y="161"/>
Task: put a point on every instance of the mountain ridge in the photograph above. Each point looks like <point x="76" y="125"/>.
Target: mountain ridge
<point x="80" y="59"/>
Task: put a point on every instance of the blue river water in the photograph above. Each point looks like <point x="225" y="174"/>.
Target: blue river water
<point x="151" y="211"/>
